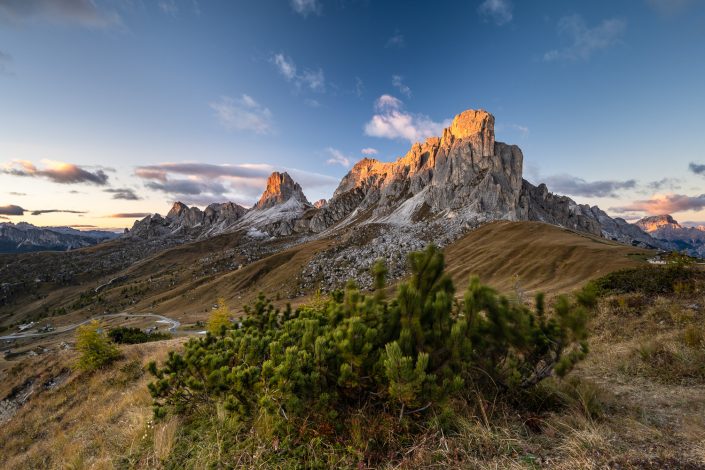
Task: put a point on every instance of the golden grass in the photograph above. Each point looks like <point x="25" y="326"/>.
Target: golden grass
<point x="542" y="257"/>
<point x="100" y="420"/>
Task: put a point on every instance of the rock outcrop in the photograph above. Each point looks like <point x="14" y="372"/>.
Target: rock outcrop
<point x="464" y="173"/>
<point x="189" y="222"/>
<point x="443" y="186"/>
<point x="657" y="222"/>
<point x="668" y="231"/>
<point x="24" y="237"/>
<point x="280" y="188"/>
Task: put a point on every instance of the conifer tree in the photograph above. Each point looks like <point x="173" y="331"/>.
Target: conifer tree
<point x="219" y="319"/>
<point x="96" y="349"/>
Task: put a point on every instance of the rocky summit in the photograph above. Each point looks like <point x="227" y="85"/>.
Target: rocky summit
<point x="665" y="229"/>
<point x="280" y="188"/>
<point x="439" y="190"/>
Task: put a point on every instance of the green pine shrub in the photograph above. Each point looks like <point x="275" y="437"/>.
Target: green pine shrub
<point x="129" y="335"/>
<point x="327" y="367"/>
<point x="96" y="349"/>
<point x="650" y="280"/>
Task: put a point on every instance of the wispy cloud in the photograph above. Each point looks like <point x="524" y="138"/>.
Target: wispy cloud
<point x="664" y="183"/>
<point x="188" y="187"/>
<point x="5" y="61"/>
<point x="499" y="12"/>
<point x="243" y="114"/>
<point x="129" y="215"/>
<point x="11" y="209"/>
<point x="168" y="7"/>
<point x="397" y="41"/>
<point x="697" y="168"/>
<point x="52" y="211"/>
<point x="392" y="121"/>
<point x="359" y="87"/>
<point x="126" y="194"/>
<point x="204" y="182"/>
<point x="670" y="7"/>
<point x="583" y="41"/>
<point x="664" y="204"/>
<point x="337" y="158"/>
<point x="58" y="172"/>
<point x="575" y="186"/>
<point x="85" y="13"/>
<point x="523" y="131"/>
<point x="15" y="193"/>
<point x="369" y="151"/>
<point x="314" y="80"/>
<point x="398" y="83"/>
<point x="307" y="7"/>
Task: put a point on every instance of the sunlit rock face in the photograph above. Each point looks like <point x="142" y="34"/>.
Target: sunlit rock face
<point x="445" y="186"/>
<point x="280" y="188"/>
<point x="655" y="222"/>
<point x="464" y="172"/>
<point x="665" y="228"/>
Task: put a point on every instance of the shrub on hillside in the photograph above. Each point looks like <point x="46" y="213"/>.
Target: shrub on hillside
<point x="219" y="318"/>
<point x="649" y="280"/>
<point x="96" y="349"/>
<point x="407" y="358"/>
<point x="127" y="335"/>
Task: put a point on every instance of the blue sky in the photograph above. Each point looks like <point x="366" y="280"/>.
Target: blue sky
<point x="120" y="107"/>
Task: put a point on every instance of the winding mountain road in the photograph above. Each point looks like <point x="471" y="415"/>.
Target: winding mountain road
<point x="174" y="324"/>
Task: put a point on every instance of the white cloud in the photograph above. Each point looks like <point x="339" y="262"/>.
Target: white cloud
<point x="387" y="102"/>
<point x="359" y="86"/>
<point x="393" y="122"/>
<point x="168" y="7"/>
<point x="398" y="83"/>
<point x="243" y="114"/>
<point x="315" y="80"/>
<point x="337" y="158"/>
<point x="312" y="103"/>
<point x="498" y="11"/>
<point x="369" y="151"/>
<point x="584" y="41"/>
<point x="306" y="7"/>
<point x="285" y="65"/>
<point x="522" y="130"/>
<point x="396" y="42"/>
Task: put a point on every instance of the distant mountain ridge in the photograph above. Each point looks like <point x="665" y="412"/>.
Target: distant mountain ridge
<point x="24" y="237"/>
<point x="666" y="229"/>
<point x="445" y="185"/>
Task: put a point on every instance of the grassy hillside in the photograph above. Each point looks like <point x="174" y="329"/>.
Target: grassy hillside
<point x="636" y="402"/>
<point x="541" y="257"/>
<point x="182" y="282"/>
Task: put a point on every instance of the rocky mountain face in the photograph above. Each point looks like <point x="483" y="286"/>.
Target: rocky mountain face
<point x="280" y="188"/>
<point x="439" y="190"/>
<point x="657" y="222"/>
<point x="543" y="206"/>
<point x="24" y="237"/>
<point x="666" y="229"/>
<point x="463" y="175"/>
<point x="188" y="222"/>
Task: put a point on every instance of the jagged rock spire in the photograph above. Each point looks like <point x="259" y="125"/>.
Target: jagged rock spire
<point x="280" y="188"/>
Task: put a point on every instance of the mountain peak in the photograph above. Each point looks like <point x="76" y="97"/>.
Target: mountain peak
<point x="280" y="188"/>
<point x="176" y="210"/>
<point x="477" y="125"/>
<point x="652" y="223"/>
